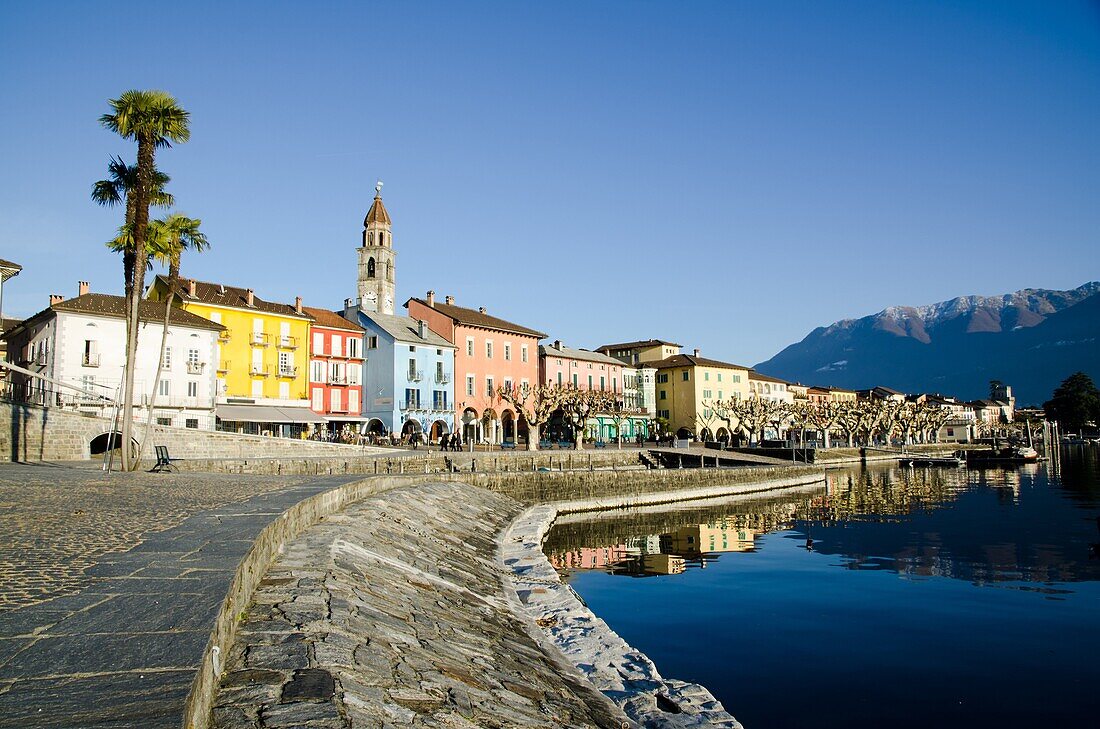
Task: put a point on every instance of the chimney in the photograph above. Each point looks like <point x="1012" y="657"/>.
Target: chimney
<point x="450" y="301"/>
<point x="56" y="299"/>
<point x="420" y="328"/>
<point x="696" y="351"/>
<point x="81" y="288"/>
<point x="431" y="299"/>
<point x="298" y="304"/>
<point x="481" y="309"/>
<point x="250" y="297"/>
<point x="348" y="304"/>
<point x="557" y="344"/>
<point x="192" y="288"/>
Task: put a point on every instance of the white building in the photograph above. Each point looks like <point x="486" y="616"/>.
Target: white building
<point x="769" y="388"/>
<point x="82" y="342"/>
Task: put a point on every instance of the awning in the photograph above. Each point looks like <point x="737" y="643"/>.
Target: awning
<point x="267" y="414"/>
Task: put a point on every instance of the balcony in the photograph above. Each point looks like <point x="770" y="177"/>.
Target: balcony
<point x="338" y="409"/>
<point x="224" y="337"/>
<point x="90" y="359"/>
<point x="442" y="379"/>
<point x="260" y="370"/>
<point x="42" y="359"/>
<point x="223" y="366"/>
<point x="258" y="339"/>
<point x="416" y="375"/>
<point x="338" y="380"/>
<point x="287" y="342"/>
<point x="288" y="371"/>
<point x="410" y="405"/>
<point x="195" y="368"/>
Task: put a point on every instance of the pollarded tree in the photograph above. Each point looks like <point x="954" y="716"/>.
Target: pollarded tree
<point x="535" y="404"/>
<point x="850" y="420"/>
<point x="1075" y="403"/>
<point x="579" y="405"/>
<point x="153" y="119"/>
<point x="824" y="416"/>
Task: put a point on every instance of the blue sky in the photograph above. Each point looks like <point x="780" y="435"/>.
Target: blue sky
<point x="725" y="175"/>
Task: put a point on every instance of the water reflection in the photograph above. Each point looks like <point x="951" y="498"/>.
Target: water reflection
<point x="987" y="526"/>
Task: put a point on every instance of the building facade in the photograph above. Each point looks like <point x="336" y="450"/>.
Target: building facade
<point x="335" y="369"/>
<point x="687" y="385"/>
<point x="640" y="352"/>
<point x="79" y="344"/>
<point x="490" y="353"/>
<point x="262" y="378"/>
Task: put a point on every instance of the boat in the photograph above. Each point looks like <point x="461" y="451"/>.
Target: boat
<point x="952" y="460"/>
<point x="1005" y="454"/>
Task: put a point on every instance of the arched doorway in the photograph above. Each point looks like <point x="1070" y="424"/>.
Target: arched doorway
<point x="684" y="434"/>
<point x="411" y="427"/>
<point x="100" y="444"/>
<point x="722" y="436"/>
<point x="490" y="426"/>
<point x="508" y="426"/>
<point x="439" y="427"/>
<point x="471" y="426"/>
<point x="376" y="427"/>
<point x="705" y="434"/>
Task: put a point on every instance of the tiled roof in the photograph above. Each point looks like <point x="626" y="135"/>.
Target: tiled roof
<point x="326" y="318"/>
<point x="115" y="307"/>
<point x="636" y="345"/>
<point x="475" y="318"/>
<point x="9" y="264"/>
<point x="406" y="329"/>
<point x="377" y="213"/>
<point x="754" y="375"/>
<point x="690" y="360"/>
<point x="234" y="296"/>
<point x="580" y="354"/>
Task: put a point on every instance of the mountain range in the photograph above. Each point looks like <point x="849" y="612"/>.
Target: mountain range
<point x="1031" y="339"/>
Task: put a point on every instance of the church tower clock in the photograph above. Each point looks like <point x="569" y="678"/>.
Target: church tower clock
<point x="377" y="289"/>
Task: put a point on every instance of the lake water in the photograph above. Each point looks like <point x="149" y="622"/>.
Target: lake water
<point x="927" y="597"/>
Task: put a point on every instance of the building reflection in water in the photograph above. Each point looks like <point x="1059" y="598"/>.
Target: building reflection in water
<point x="988" y="526"/>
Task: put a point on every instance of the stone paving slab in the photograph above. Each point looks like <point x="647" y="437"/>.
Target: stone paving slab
<point x="108" y="633"/>
<point x="392" y="614"/>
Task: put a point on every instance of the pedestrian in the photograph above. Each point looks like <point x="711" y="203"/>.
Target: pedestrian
<point x="456" y="442"/>
<point x="443" y="442"/>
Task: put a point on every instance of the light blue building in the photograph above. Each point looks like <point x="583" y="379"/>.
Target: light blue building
<point x="408" y="375"/>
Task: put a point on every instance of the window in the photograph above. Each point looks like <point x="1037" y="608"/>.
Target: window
<point x="614" y="384"/>
<point x="662" y="378"/>
<point x="165" y="388"/>
<point x="488" y="349"/>
<point x="337" y="400"/>
<point x="284" y="390"/>
<point x="318" y="343"/>
<point x="316" y="371"/>
<point x="370" y="261"/>
<point x="706" y="377"/>
<point x="166" y="362"/>
<point x="507" y="352"/>
<point x="318" y="399"/>
<point x="439" y="399"/>
<point x="719" y="394"/>
<point x="470" y="385"/>
<point x="353" y="401"/>
<point x="412" y="398"/>
<point x="353" y="347"/>
<point x="685" y="375"/>
<point x="508" y="384"/>
<point x="719" y="376"/>
<point x="337" y="373"/>
<point x="662" y="414"/>
<point x="575" y="383"/>
<point x="603" y="383"/>
<point x="590" y="382"/>
<point x="559" y="378"/>
<point x="257" y="388"/>
<point x="337" y="345"/>
<point x="489" y="387"/>
<point x="192" y="423"/>
<point x="372" y="342"/>
<point x="164" y="421"/>
<point x="469" y="346"/>
<point x="192" y="389"/>
<point x="353" y="374"/>
<point x="523" y="352"/>
<point x="735" y="378"/>
<point x="439" y="372"/>
<point x="707" y="394"/>
<point x="664" y="394"/>
<point x="412" y="347"/>
<point x="412" y="369"/>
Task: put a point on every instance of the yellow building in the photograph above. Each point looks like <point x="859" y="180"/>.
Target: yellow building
<point x="262" y="357"/>
<point x="687" y="384"/>
<point x="643" y="352"/>
<point x="695" y="539"/>
<point x="837" y="394"/>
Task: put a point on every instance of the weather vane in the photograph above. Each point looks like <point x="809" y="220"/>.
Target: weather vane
<point x="378" y="188"/>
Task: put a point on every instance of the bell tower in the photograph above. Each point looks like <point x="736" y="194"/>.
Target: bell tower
<point x="377" y="289"/>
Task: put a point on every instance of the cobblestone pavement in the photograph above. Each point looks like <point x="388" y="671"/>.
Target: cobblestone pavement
<point x="392" y="614"/>
<point x="112" y="586"/>
<point x="57" y="520"/>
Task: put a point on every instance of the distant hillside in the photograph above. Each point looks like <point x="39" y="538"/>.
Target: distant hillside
<point x="1031" y="339"/>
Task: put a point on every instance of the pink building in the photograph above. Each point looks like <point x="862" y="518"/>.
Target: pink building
<point x="561" y="365"/>
<point x="491" y="353"/>
<point x="590" y="558"/>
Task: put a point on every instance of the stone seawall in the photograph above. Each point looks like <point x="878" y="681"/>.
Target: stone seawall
<point x="32" y="433"/>
<point x="586" y="489"/>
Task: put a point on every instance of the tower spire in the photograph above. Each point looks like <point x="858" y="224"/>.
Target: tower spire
<point x="377" y="288"/>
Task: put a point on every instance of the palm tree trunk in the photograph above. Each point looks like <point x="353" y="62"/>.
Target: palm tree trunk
<point x="141" y="225"/>
<point x="160" y="362"/>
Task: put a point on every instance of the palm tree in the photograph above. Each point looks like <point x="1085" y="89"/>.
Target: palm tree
<point x="117" y="189"/>
<point x="170" y="237"/>
<point x="153" y="119"/>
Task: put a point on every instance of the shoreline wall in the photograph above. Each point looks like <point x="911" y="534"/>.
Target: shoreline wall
<point x="585" y="489"/>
